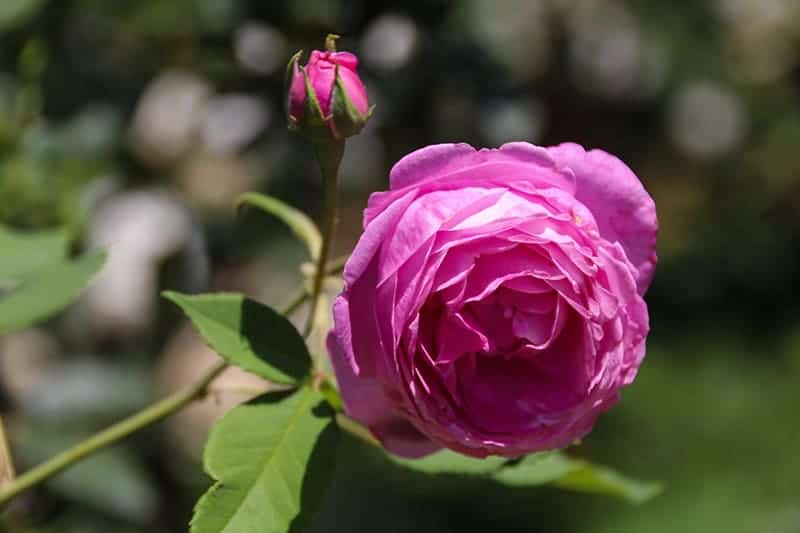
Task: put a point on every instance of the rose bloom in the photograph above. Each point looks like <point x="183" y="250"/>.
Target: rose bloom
<point x="493" y="304"/>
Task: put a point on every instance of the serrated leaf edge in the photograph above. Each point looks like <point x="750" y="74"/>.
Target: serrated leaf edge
<point x="304" y="404"/>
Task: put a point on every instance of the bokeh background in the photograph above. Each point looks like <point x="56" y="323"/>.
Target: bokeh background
<point x="138" y="122"/>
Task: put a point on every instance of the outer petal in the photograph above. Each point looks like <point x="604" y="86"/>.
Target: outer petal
<point x="297" y="93"/>
<point x="442" y="160"/>
<point x="366" y="401"/>
<point x="379" y="230"/>
<point x="322" y="74"/>
<point x="623" y="209"/>
<point x="355" y="89"/>
<point x="429" y="162"/>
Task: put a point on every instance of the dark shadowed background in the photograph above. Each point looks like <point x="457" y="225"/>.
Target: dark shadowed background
<point x="138" y="123"/>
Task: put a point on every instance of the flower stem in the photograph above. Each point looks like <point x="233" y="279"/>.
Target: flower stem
<point x="329" y="155"/>
<point x="10" y="487"/>
<point x="111" y="435"/>
<point x="356" y="429"/>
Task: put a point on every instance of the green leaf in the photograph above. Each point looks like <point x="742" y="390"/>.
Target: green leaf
<point x="602" y="480"/>
<point x="574" y="474"/>
<point x="23" y="253"/>
<point x="248" y="334"/>
<point x="537" y="469"/>
<point x="272" y="460"/>
<point x="296" y="220"/>
<point x="449" y="462"/>
<point x="47" y="291"/>
<point x="554" y="468"/>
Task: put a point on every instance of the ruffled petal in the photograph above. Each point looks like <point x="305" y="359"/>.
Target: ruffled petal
<point x="623" y="209"/>
<point x="365" y="400"/>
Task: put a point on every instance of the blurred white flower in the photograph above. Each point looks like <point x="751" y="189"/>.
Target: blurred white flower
<point x="168" y="117"/>
<point x="140" y="230"/>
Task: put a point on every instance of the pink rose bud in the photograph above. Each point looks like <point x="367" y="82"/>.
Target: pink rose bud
<point x="494" y="303"/>
<point x="326" y="96"/>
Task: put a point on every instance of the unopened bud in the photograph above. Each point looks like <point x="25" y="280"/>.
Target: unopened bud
<point x="326" y="96"/>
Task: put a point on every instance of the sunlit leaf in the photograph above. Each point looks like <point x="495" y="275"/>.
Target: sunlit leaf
<point x="248" y="334"/>
<point x="449" y="462"/>
<point x="47" y="291"/>
<point x="272" y="460"/>
<point x="296" y="220"/>
<point x="602" y="480"/>
<point x="565" y="472"/>
<point x="555" y="468"/>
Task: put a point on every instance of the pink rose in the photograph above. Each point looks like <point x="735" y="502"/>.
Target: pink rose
<point x="494" y="304"/>
<point x="344" y="116"/>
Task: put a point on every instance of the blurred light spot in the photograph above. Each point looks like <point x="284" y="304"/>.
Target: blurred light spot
<point x="515" y="120"/>
<point x="233" y="121"/>
<point x="515" y="32"/>
<point x="706" y="120"/>
<point x="27" y="357"/>
<point x="606" y="49"/>
<point x="168" y="116"/>
<point x="140" y="230"/>
<point x="762" y="37"/>
<point x="389" y="42"/>
<point x="756" y="14"/>
<point x="260" y="48"/>
<point x="213" y="180"/>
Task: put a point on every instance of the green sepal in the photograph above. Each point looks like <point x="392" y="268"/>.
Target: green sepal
<point x="314" y="123"/>
<point x="347" y="119"/>
<point x="287" y="86"/>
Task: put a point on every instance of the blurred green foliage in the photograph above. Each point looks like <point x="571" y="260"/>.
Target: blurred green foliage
<point x="103" y="100"/>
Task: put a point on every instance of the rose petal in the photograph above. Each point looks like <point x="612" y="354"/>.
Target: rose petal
<point x="623" y="209"/>
<point x="374" y="236"/>
<point x="366" y="402"/>
<point x="446" y="160"/>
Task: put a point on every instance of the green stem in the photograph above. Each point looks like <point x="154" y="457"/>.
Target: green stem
<point x="356" y="429"/>
<point x="6" y="459"/>
<point x="111" y="435"/>
<point x="120" y="430"/>
<point x="329" y="155"/>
